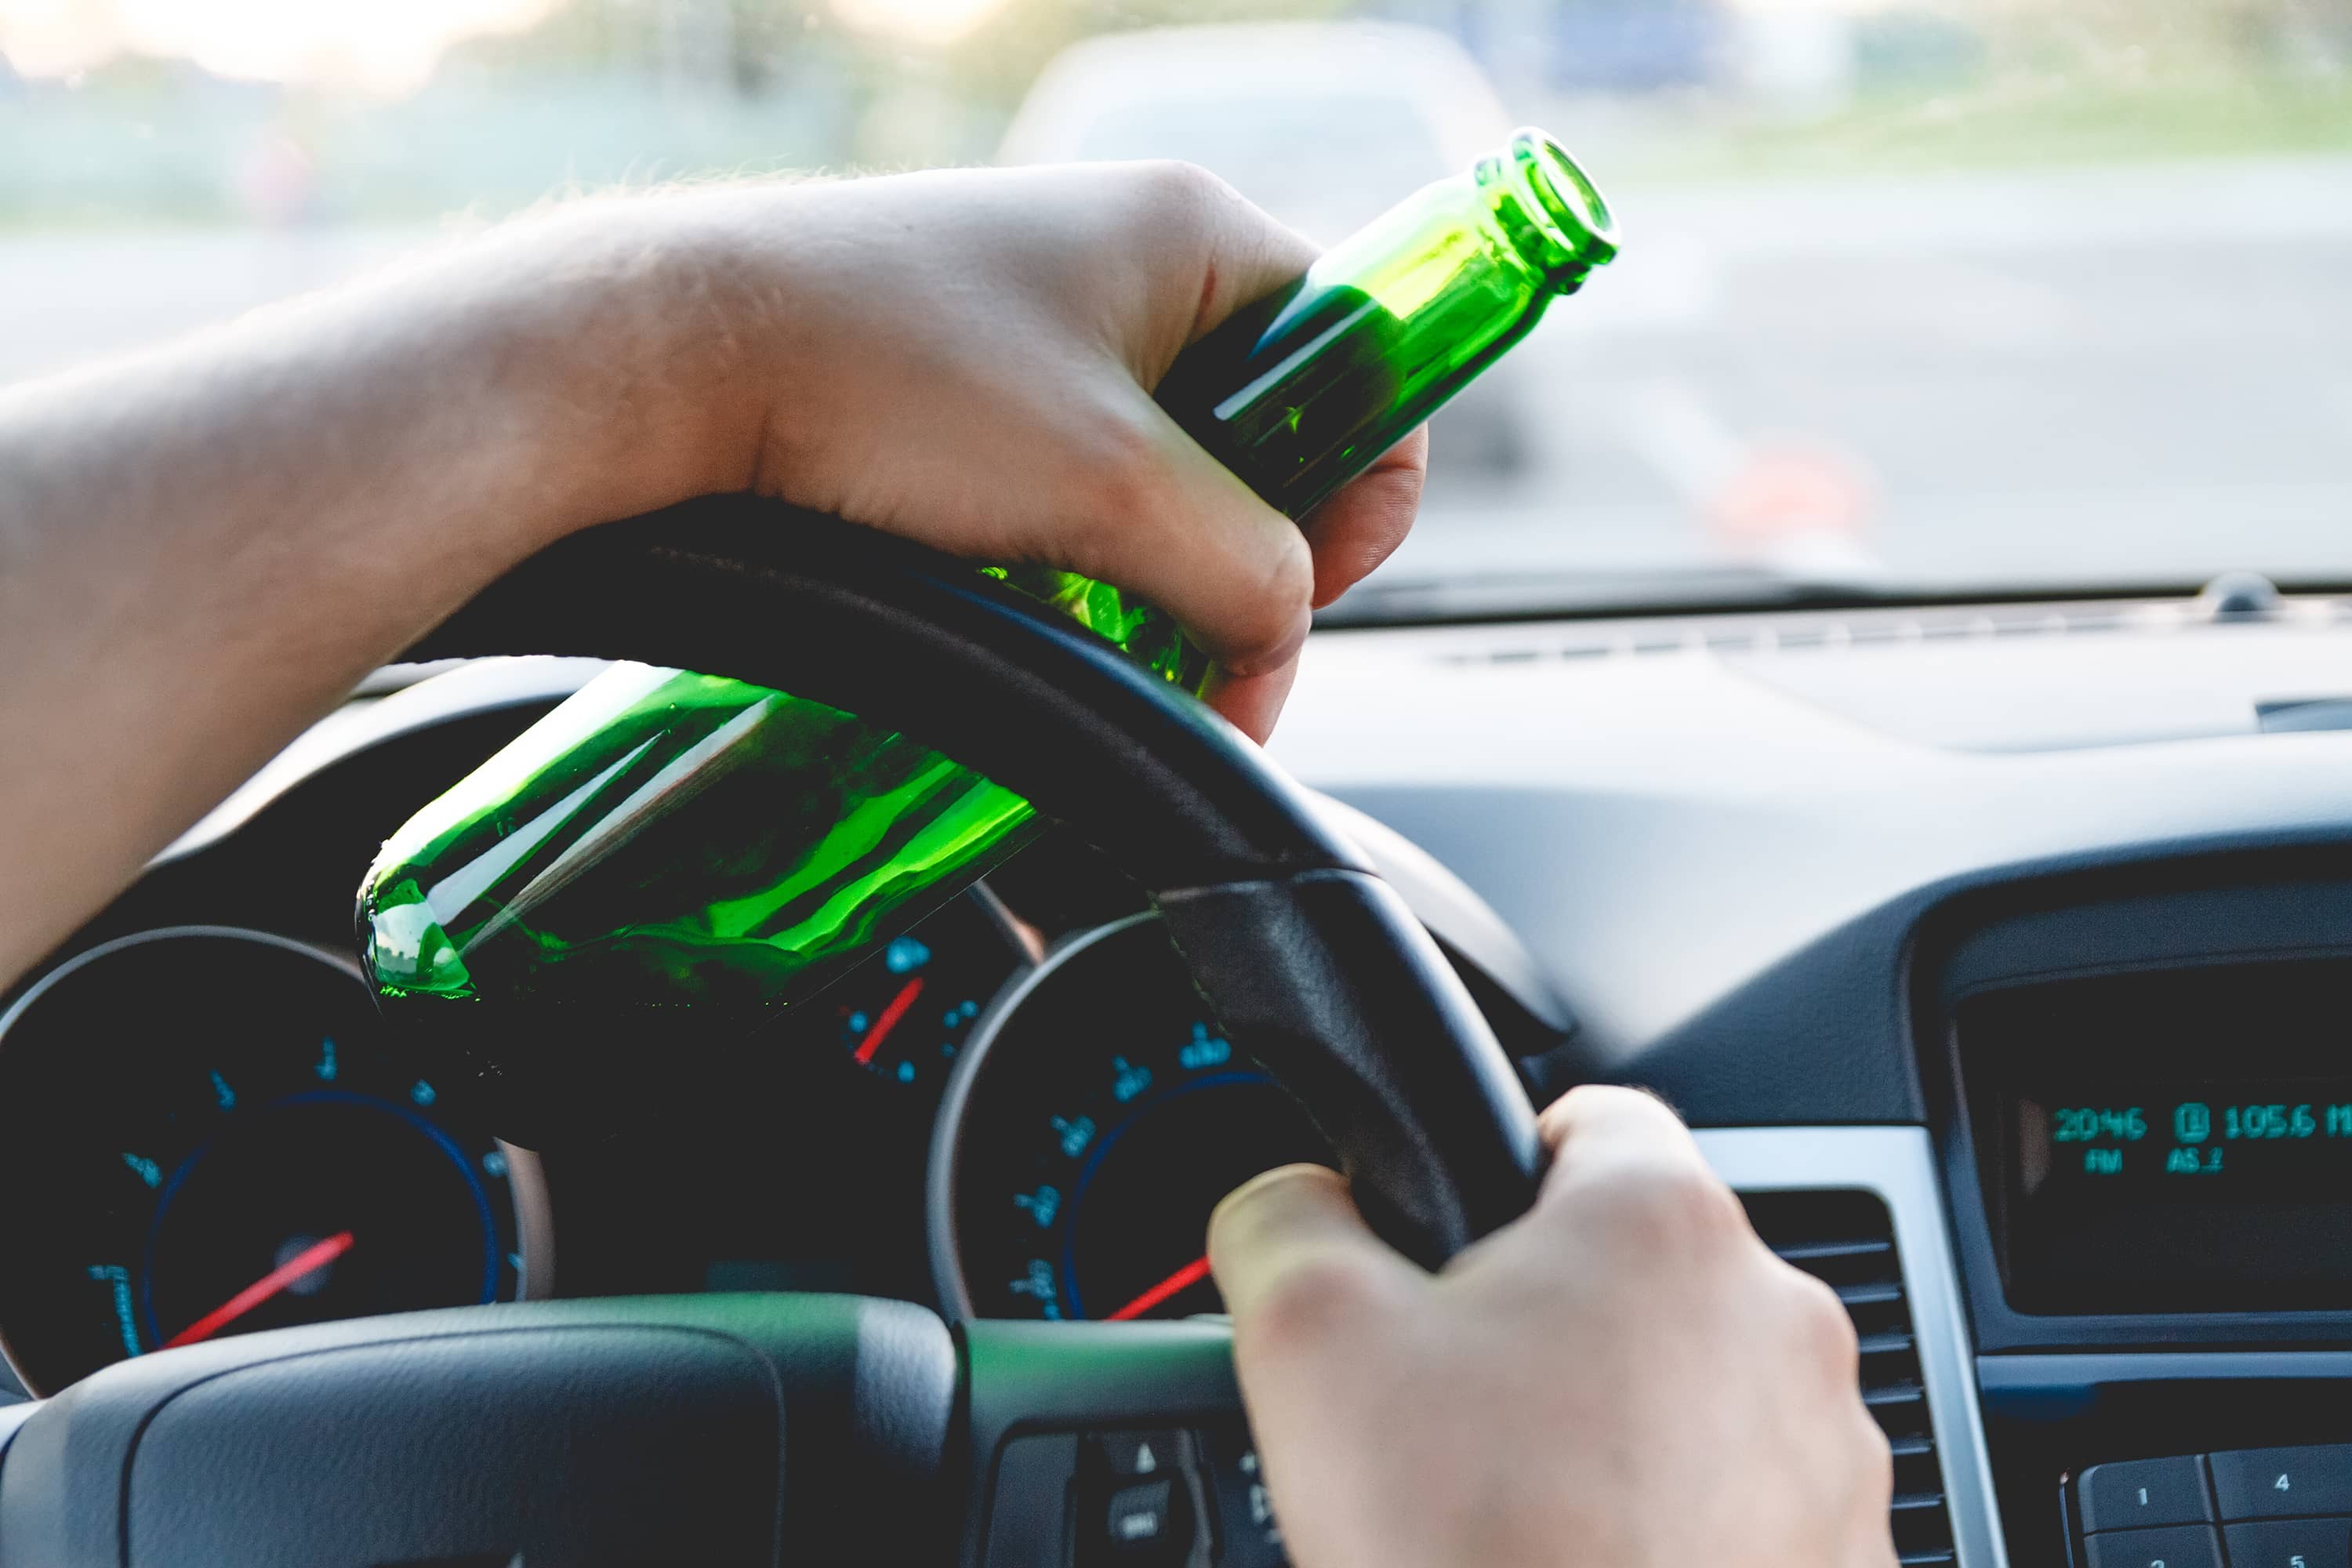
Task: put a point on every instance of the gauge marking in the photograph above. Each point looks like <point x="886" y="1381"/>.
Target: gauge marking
<point x="145" y="1169"/>
<point x="1126" y="1079"/>
<point x="1204" y="1050"/>
<point x="1039" y="1282"/>
<point x="1075" y="1132"/>
<point x="223" y="1095"/>
<point x="288" y="1276"/>
<point x="326" y="1068"/>
<point x="118" y="1279"/>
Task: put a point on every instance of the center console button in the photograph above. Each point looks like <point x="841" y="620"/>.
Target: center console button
<point x="2143" y="1492"/>
<point x="2180" y="1546"/>
<point x="2291" y="1543"/>
<point x="2275" y="1483"/>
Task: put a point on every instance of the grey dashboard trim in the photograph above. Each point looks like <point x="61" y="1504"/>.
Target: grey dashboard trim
<point x="1898" y="1164"/>
<point x="2039" y="1372"/>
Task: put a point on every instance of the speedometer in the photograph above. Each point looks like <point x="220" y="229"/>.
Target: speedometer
<point x="211" y="1135"/>
<point x="1096" y="1119"/>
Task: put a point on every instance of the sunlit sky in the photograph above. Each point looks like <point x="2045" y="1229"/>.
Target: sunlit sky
<point x="385" y="46"/>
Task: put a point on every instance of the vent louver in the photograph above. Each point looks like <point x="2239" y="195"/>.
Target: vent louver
<point x="1846" y="1240"/>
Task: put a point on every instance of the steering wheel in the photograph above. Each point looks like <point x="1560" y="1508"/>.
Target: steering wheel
<point x="727" y="1430"/>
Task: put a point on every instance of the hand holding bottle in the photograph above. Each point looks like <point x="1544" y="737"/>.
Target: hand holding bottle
<point x="968" y="358"/>
<point x="1025" y="438"/>
<point x="219" y="539"/>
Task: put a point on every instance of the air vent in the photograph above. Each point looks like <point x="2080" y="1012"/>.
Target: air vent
<point x="1846" y="1240"/>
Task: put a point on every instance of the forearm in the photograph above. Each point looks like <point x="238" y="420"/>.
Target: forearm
<point x="202" y="549"/>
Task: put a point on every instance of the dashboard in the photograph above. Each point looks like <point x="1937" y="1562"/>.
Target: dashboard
<point x="2001" y="956"/>
<point x="1016" y="1108"/>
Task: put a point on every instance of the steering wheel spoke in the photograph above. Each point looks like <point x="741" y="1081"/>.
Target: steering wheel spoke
<point x="711" y="1430"/>
<point x="1111" y="1446"/>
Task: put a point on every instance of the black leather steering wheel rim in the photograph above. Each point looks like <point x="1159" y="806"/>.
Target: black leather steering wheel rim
<point x="767" y="1430"/>
<point x="1309" y="960"/>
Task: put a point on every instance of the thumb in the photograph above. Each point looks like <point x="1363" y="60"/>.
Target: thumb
<point x="1294" y="1235"/>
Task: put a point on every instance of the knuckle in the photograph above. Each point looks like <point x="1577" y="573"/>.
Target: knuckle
<point x="1128" y="473"/>
<point x="1874" y="1463"/>
<point x="1824" y="1333"/>
<point x="1172" y="187"/>
<point x="1682" y="1199"/>
<point x="1315" y="1302"/>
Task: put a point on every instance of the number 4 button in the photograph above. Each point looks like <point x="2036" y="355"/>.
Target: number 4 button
<point x="2276" y="1483"/>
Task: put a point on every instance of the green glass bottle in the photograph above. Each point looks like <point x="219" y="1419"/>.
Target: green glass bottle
<point x="665" y="837"/>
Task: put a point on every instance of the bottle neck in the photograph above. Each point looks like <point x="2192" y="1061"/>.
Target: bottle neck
<point x="1548" y="212"/>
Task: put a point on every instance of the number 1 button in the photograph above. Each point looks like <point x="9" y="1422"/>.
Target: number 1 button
<point x="2143" y="1492"/>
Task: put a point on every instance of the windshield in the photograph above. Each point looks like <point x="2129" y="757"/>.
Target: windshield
<point x="1917" y="296"/>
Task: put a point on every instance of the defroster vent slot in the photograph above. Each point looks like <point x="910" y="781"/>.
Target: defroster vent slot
<point x="1846" y="1240"/>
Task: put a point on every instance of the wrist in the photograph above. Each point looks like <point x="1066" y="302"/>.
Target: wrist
<point x="624" y="337"/>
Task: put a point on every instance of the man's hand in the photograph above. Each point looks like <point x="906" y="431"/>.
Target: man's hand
<point x="966" y="358"/>
<point x="203" y="549"/>
<point x="1623" y="1378"/>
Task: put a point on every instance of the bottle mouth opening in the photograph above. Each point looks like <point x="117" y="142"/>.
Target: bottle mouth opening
<point x="1564" y="203"/>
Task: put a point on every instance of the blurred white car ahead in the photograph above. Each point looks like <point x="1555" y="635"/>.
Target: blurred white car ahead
<point x="1325" y="125"/>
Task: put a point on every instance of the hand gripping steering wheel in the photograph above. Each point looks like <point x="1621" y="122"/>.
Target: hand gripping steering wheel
<point x="737" y="1430"/>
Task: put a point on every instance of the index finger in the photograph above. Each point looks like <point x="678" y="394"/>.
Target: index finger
<point x="1361" y="526"/>
<point x="1348" y="537"/>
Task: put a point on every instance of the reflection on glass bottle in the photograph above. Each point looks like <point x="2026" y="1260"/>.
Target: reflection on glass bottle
<point x="665" y="837"/>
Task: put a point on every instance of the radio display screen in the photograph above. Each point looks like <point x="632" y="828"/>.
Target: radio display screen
<point x="2196" y="1141"/>
<point x="2175" y="1142"/>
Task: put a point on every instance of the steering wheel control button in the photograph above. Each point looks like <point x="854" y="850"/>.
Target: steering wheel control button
<point x="2174" y="1546"/>
<point x="1147" y="1495"/>
<point x="1247" y="1535"/>
<point x="2281" y="1483"/>
<point x="2143" y="1492"/>
<point x="2291" y="1543"/>
<point x="1161" y="1451"/>
<point x="1147" y="1521"/>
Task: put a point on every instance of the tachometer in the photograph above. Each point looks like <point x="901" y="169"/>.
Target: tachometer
<point x="209" y="1135"/>
<point x="1097" y="1120"/>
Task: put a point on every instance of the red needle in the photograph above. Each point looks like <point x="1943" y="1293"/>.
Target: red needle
<point x="1193" y="1273"/>
<point x="310" y="1260"/>
<point x="888" y="1020"/>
